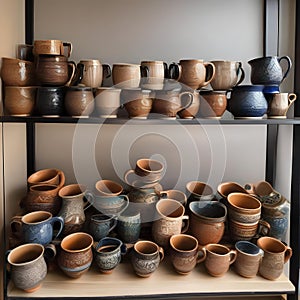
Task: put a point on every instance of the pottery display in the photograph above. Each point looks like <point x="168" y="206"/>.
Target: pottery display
<point x="79" y="101"/>
<point x="212" y="104"/>
<point x="247" y="101"/>
<point x="268" y="70"/>
<point x="76" y="256"/>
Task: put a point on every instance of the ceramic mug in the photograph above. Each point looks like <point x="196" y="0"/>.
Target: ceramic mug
<point x="198" y="190"/>
<point x="75" y="256"/>
<point x="107" y="253"/>
<point x="50" y="176"/>
<point x="146" y="257"/>
<point x="126" y="75"/>
<point x="218" y="259"/>
<point x="149" y="170"/>
<point x="248" y="258"/>
<point x="52" y="47"/>
<point x="107" y="101"/>
<point x="195" y="73"/>
<point x="212" y="104"/>
<point x="184" y="253"/>
<point x="170" y="220"/>
<point x="37" y="227"/>
<point x="276" y="254"/>
<point x="279" y="104"/>
<point x="227" y="75"/>
<point x="175" y="195"/>
<point x="19" y="100"/>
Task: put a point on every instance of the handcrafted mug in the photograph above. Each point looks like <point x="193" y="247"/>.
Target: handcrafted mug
<point x="17" y="72"/>
<point x="36" y="227"/>
<point x="19" y="100"/>
<point x="129" y="225"/>
<point x="276" y="254"/>
<point x="175" y="195"/>
<point x="107" y="253"/>
<point x="279" y="104"/>
<point x="227" y="75"/>
<point x="192" y="111"/>
<point x="137" y="102"/>
<point x="75" y="256"/>
<point x="52" y="47"/>
<point x="207" y="221"/>
<point x="226" y="188"/>
<point x="170" y="220"/>
<point x="47" y="176"/>
<point x="212" y="104"/>
<point x="153" y="77"/>
<point x="248" y="258"/>
<point x="218" y="259"/>
<point x="149" y="170"/>
<point x="107" y="101"/>
<point x="28" y="267"/>
<point x="199" y="190"/>
<point x="146" y="257"/>
<point x="101" y="225"/>
<point x="195" y="73"/>
<point x="184" y="253"/>
<point x="126" y="75"/>
<point x="170" y="102"/>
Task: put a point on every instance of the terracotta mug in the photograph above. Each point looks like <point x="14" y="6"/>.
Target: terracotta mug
<point x="75" y="256"/>
<point x="146" y="257"/>
<point x="248" y="258"/>
<point x="107" y="102"/>
<point x="156" y="72"/>
<point x="218" y="259"/>
<point x="212" y="104"/>
<point x="226" y="188"/>
<point x="150" y="170"/>
<point x="19" y="100"/>
<point x="228" y="74"/>
<point x="198" y="190"/>
<point x="47" y="176"/>
<point x="279" y="105"/>
<point x="195" y="73"/>
<point x="17" y="72"/>
<point x="170" y="102"/>
<point x="184" y="253"/>
<point x="170" y="220"/>
<point x="175" y="195"/>
<point x="276" y="254"/>
<point x="28" y="267"/>
<point x="52" y="47"/>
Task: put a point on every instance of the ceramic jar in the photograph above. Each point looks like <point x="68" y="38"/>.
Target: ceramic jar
<point x="79" y="101"/>
<point x="247" y="101"/>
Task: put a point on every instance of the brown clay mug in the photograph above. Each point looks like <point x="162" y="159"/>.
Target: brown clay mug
<point x="149" y="170"/>
<point x="198" y="190"/>
<point x="276" y="254"/>
<point x="47" y="176"/>
<point x="170" y="220"/>
<point x="170" y="102"/>
<point x="17" y="72"/>
<point x="185" y="253"/>
<point x="195" y="73"/>
<point x="212" y="104"/>
<point x="75" y="256"/>
<point x="228" y="74"/>
<point x="52" y="47"/>
<point x="279" y="104"/>
<point x="19" y="100"/>
<point x="192" y="111"/>
<point x="218" y="259"/>
<point x="54" y="70"/>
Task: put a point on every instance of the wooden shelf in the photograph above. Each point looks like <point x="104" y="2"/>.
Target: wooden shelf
<point x="165" y="283"/>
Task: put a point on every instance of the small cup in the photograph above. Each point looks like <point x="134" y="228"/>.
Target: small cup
<point x="91" y="73"/>
<point x="276" y="254"/>
<point x="150" y="170"/>
<point x="101" y="225"/>
<point x="175" y="195"/>
<point x="47" y="176"/>
<point x="37" y="227"/>
<point x="19" y="100"/>
<point x="184" y="253"/>
<point x="126" y="75"/>
<point x="218" y="259"/>
<point x="27" y="266"/>
<point x="279" y="104"/>
<point x="199" y="190"/>
<point x="107" y="102"/>
<point x="212" y="104"/>
<point x="129" y="225"/>
<point x="108" y="254"/>
<point x="248" y="258"/>
<point x="146" y="257"/>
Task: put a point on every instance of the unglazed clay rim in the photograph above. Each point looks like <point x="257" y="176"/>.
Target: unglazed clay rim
<point x="49" y="216"/>
<point x="71" y="236"/>
<point x="186" y="236"/>
<point x="172" y="201"/>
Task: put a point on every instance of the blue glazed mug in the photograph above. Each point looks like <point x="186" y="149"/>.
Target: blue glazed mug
<point x="101" y="225"/>
<point x="36" y="227"/>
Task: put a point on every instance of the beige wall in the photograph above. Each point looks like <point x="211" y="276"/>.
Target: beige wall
<point x="12" y="33"/>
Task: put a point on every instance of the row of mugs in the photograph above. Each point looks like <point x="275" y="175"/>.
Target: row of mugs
<point x="29" y="269"/>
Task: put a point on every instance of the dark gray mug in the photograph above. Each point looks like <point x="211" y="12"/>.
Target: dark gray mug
<point x="101" y="225"/>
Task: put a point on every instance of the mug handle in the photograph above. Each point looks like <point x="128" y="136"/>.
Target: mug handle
<point x="201" y="255"/>
<point x="263" y="228"/>
<point x="114" y="222"/>
<point x="240" y="68"/>
<point x="175" y="71"/>
<point x="16" y="226"/>
<point x="62" y="178"/>
<point x="90" y="200"/>
<point x="72" y="66"/>
<point x="49" y="251"/>
<point x="166" y="71"/>
<point x="291" y="98"/>
<point x="126" y="205"/>
<point x="123" y="249"/>
<point x="232" y="255"/>
<point x="69" y="47"/>
<point x="287" y="254"/>
<point x="78" y="74"/>
<point x="59" y="220"/>
<point x="289" y="65"/>
<point x="185" y="227"/>
<point x="106" y="71"/>
<point x="190" y="101"/>
<point x="161" y="253"/>
<point x="144" y="71"/>
<point x="209" y="74"/>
